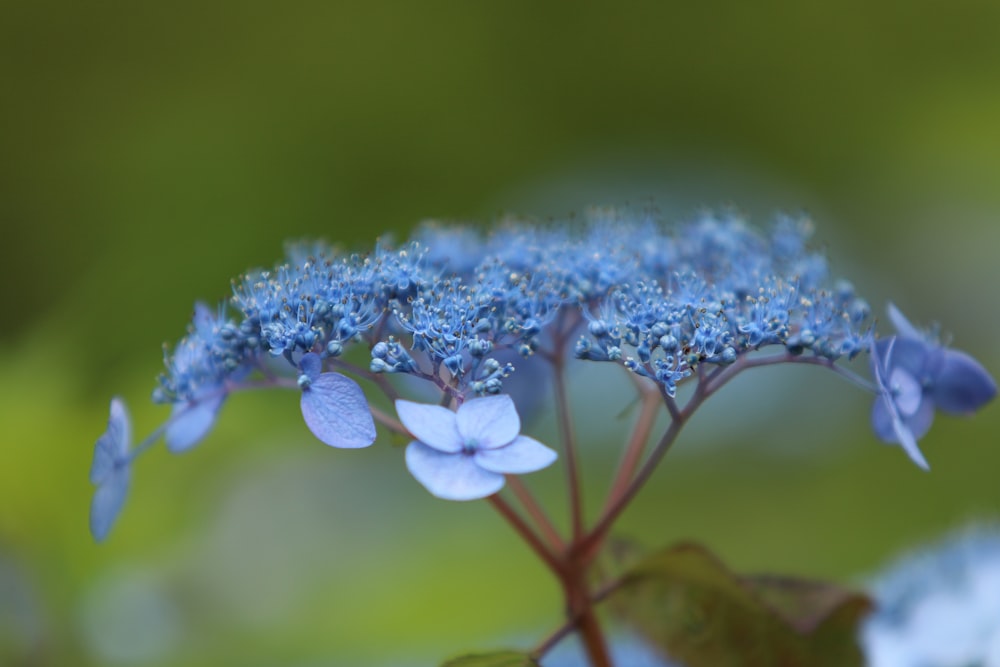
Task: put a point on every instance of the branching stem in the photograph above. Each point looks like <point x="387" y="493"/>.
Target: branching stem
<point x="529" y="535"/>
<point x="649" y="407"/>
<point x="568" y="441"/>
<point x="537" y="513"/>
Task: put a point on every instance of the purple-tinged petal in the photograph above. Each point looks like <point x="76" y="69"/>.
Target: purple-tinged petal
<point x="432" y="425"/>
<point x="889" y="427"/>
<point x="907" y="392"/>
<point x="191" y="421"/>
<point x="908" y="441"/>
<point x="881" y="356"/>
<point x="450" y="476"/>
<point x="523" y="455"/>
<point x="962" y="385"/>
<point x="882" y="420"/>
<point x="311" y="365"/>
<point x="488" y="422"/>
<point x="886" y="420"/>
<point x="903" y="326"/>
<point x="916" y="357"/>
<point x="919" y="422"/>
<point x="112" y="446"/>
<point x="107" y="502"/>
<point x="335" y="410"/>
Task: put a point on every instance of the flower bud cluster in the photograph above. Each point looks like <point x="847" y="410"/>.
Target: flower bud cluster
<point x="656" y="300"/>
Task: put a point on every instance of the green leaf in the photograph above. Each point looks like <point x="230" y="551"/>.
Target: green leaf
<point x="807" y="605"/>
<point x="687" y="604"/>
<point x="494" y="659"/>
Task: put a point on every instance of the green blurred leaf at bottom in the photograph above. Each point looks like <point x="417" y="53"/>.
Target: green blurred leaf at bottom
<point x="495" y="659"/>
<point x="688" y="605"/>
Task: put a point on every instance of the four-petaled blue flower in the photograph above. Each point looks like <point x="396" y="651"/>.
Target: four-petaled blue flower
<point x="464" y="455"/>
<point x="915" y="375"/>
<point x="110" y="470"/>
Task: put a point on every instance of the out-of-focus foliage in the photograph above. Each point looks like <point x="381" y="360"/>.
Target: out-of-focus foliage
<point x="686" y="603"/>
<point x="497" y="659"/>
<point x="151" y="152"/>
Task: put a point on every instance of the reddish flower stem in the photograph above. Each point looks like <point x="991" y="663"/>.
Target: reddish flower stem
<point x="636" y="445"/>
<point x="537" y="513"/>
<point x="524" y="530"/>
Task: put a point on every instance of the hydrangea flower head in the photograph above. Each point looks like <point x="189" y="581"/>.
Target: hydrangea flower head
<point x="110" y="470"/>
<point x="464" y="455"/>
<point x="470" y="315"/>
<point x="915" y="376"/>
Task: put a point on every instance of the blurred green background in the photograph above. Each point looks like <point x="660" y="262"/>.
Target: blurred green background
<point x="149" y="152"/>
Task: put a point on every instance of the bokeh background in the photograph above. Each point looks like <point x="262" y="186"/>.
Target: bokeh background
<point x="149" y="152"/>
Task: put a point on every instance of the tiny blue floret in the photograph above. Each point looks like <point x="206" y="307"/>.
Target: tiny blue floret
<point x="464" y="455"/>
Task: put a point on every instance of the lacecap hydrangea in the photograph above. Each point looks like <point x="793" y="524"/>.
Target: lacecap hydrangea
<point x="465" y="311"/>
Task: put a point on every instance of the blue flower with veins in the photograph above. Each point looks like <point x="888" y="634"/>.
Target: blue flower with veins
<point x="464" y="455"/>
<point x="915" y="375"/>
<point x="333" y="406"/>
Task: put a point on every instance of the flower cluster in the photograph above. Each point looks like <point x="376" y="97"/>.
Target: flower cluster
<point x="659" y="301"/>
<point x="463" y="311"/>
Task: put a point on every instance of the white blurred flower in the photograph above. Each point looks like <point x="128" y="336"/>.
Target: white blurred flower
<point x="939" y="607"/>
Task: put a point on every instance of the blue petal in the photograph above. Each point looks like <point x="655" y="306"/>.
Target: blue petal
<point x="907" y="392"/>
<point x="490" y="422"/>
<point x="881" y="353"/>
<point x="107" y="502"/>
<point x="523" y="455"/>
<point x="335" y="410"/>
<point x="886" y="420"/>
<point x="916" y="357"/>
<point x="111" y="449"/>
<point x="962" y="385"/>
<point x="432" y="425"/>
<point x="190" y="422"/>
<point x="311" y="365"/>
<point x="882" y="418"/>
<point x="908" y="441"/>
<point x="903" y="326"/>
<point x="450" y="476"/>
<point x="920" y="421"/>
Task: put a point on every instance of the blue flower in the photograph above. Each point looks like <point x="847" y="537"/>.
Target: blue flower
<point x="334" y="407"/>
<point x="938" y="605"/>
<point x="110" y="470"/>
<point x="464" y="455"/>
<point x="191" y="420"/>
<point x="915" y="375"/>
<point x="203" y="361"/>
